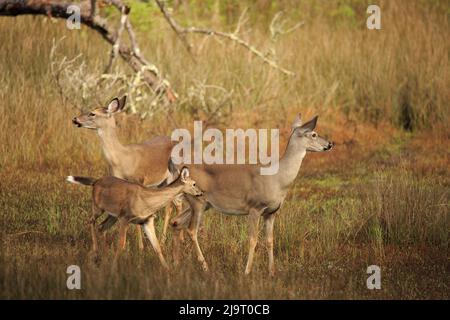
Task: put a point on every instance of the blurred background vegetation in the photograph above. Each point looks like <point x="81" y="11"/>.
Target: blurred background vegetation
<point x="398" y="75"/>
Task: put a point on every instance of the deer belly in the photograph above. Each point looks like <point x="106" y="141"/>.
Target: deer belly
<point x="272" y="208"/>
<point x="230" y="211"/>
<point x="231" y="207"/>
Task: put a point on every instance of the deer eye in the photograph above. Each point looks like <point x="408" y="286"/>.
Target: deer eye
<point x="91" y="114"/>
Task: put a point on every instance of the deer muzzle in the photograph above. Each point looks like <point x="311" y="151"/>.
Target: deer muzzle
<point x="329" y="146"/>
<point x="76" y="122"/>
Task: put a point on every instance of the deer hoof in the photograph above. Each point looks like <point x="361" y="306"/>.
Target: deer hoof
<point x="205" y="267"/>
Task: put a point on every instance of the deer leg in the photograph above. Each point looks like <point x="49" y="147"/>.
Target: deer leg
<point x="176" y="247"/>
<point x="179" y="209"/>
<point x="193" y="234"/>
<point x="96" y="213"/>
<point x="123" y="226"/>
<point x="139" y="238"/>
<point x="178" y="234"/>
<point x="254" y="216"/>
<point x="181" y="236"/>
<point x="105" y="225"/>
<point x="268" y="226"/>
<point x="197" y="209"/>
<point x="168" y="213"/>
<point x="122" y="234"/>
<point x="149" y="228"/>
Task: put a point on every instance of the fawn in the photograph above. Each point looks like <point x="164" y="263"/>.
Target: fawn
<point x="132" y="203"/>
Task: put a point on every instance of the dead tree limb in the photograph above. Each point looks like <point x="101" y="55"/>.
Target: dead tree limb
<point x="115" y="48"/>
<point x="59" y="9"/>
<point x="278" y="26"/>
<point x="93" y="8"/>
<point x="182" y="31"/>
<point x="175" y="27"/>
<point x="57" y="69"/>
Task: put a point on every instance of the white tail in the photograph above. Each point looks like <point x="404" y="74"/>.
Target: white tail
<point x="85" y="181"/>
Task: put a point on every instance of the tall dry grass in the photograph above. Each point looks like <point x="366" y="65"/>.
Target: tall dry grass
<point x="398" y="74"/>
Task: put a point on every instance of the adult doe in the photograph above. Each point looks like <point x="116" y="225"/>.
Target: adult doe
<point x="132" y="203"/>
<point x="242" y="190"/>
<point x="146" y="163"/>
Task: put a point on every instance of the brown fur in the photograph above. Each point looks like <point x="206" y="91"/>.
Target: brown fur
<point x="242" y="190"/>
<point x="132" y="203"/>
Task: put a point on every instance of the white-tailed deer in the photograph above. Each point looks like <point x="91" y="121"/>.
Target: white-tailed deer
<point x="242" y="190"/>
<point x="146" y="163"/>
<point x="132" y="203"/>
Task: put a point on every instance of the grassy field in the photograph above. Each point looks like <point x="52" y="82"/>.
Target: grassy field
<point x="380" y="197"/>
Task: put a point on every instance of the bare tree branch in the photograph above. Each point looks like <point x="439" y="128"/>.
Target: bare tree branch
<point x="241" y="21"/>
<point x="57" y="68"/>
<point x="134" y="45"/>
<point x="182" y="31"/>
<point x="93" y="9"/>
<point x="171" y="95"/>
<point x="59" y="9"/>
<point x="173" y="25"/>
<point x="277" y="26"/>
<point x="115" y="48"/>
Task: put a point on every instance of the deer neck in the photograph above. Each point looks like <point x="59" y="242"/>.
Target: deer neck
<point x="157" y="198"/>
<point x="290" y="163"/>
<point x="112" y="148"/>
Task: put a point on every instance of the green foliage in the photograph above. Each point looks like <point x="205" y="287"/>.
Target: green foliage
<point x="343" y="11"/>
<point x="142" y="14"/>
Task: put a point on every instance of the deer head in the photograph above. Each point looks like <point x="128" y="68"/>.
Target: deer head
<point x="101" y="118"/>
<point x="304" y="135"/>
<point x="189" y="185"/>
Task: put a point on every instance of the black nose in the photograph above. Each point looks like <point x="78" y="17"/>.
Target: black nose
<point x="75" y="121"/>
<point x="329" y="146"/>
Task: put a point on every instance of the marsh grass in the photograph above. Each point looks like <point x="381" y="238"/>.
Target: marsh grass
<point x="380" y="197"/>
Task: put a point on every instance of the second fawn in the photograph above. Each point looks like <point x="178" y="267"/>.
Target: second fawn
<point x="132" y="203"/>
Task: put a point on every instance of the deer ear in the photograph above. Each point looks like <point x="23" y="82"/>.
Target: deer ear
<point x="122" y="102"/>
<point x="113" y="106"/>
<point x="297" y="122"/>
<point x="310" y="125"/>
<point x="184" y="174"/>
